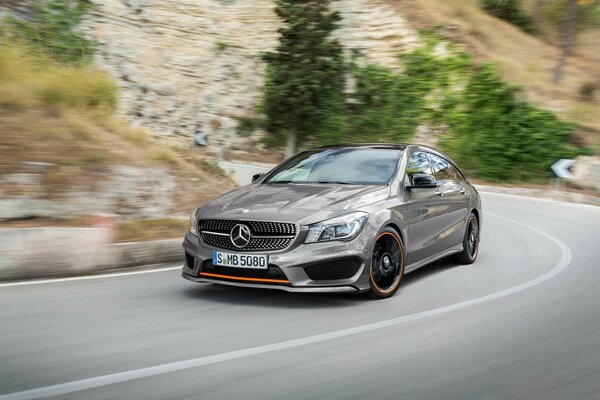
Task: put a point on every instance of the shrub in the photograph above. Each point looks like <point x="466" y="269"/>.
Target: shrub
<point x="246" y="126"/>
<point x="587" y="91"/>
<point x="52" y="29"/>
<point x="492" y="133"/>
<point x="510" y="11"/>
<point x="498" y="137"/>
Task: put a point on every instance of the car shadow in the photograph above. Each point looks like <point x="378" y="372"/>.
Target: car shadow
<point x="273" y="298"/>
<point x="428" y="270"/>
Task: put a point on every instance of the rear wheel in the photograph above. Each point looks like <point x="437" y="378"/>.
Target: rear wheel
<point x="470" y="242"/>
<point x="387" y="264"/>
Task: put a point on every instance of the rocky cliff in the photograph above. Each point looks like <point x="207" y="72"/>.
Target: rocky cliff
<point x="187" y="65"/>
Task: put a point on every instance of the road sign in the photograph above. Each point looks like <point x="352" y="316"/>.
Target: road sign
<point x="562" y="168"/>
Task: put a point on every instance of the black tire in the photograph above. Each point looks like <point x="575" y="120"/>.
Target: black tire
<point x="387" y="264"/>
<point x="470" y="242"/>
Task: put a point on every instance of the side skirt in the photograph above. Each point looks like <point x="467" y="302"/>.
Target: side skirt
<point x="421" y="263"/>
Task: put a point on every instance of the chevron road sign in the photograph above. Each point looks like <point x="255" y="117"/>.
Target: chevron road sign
<point x="562" y="168"/>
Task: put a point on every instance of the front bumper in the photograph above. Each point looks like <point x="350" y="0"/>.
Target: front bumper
<point x="300" y="265"/>
<point x="306" y="289"/>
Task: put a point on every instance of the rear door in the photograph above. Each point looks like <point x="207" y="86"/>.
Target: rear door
<point x="452" y="185"/>
<point x="426" y="212"/>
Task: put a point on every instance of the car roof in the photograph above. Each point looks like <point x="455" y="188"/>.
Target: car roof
<point x="398" y="146"/>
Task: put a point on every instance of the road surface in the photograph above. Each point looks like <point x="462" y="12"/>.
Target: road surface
<point x="523" y="322"/>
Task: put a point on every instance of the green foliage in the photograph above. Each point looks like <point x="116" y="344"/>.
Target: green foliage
<point x="304" y="84"/>
<point x="221" y="46"/>
<point x="212" y="167"/>
<point x="498" y="137"/>
<point x="52" y="30"/>
<point x="510" y="11"/>
<point x="389" y="106"/>
<point x="492" y="133"/>
<point x="587" y="14"/>
<point x="246" y="126"/>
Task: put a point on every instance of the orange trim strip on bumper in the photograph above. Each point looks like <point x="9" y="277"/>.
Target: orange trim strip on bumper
<point x="240" y="278"/>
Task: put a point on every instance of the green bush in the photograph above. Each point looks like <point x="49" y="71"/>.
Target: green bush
<point x="52" y="29"/>
<point x="496" y="136"/>
<point x="246" y="126"/>
<point x="389" y="106"/>
<point x="492" y="133"/>
<point x="510" y="11"/>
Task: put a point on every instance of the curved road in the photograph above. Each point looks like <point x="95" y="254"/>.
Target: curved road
<point x="523" y="322"/>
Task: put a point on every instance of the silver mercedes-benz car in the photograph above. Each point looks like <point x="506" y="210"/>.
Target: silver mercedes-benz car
<point x="347" y="218"/>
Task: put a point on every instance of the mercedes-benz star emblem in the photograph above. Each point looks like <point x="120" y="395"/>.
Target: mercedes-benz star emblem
<point x="240" y="235"/>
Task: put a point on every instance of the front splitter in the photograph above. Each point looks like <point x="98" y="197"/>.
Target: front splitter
<point x="312" y="289"/>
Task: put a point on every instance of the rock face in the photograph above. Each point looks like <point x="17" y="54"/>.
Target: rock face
<point x="131" y="191"/>
<point x="586" y="172"/>
<point x="188" y="65"/>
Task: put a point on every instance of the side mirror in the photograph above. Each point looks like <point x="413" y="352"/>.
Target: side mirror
<point x="423" y="181"/>
<point x="256" y="176"/>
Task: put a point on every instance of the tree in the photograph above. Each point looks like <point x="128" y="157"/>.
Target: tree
<point x="305" y="76"/>
<point x="508" y="10"/>
<point x="570" y="17"/>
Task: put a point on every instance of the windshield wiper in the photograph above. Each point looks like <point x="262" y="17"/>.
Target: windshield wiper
<point x="311" y="182"/>
<point x="279" y="182"/>
<point x="334" y="182"/>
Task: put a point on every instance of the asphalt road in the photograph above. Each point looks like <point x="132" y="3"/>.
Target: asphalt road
<point x="523" y="322"/>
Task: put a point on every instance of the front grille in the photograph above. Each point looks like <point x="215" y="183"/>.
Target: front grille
<point x="271" y="275"/>
<point x="257" y="227"/>
<point x="266" y="236"/>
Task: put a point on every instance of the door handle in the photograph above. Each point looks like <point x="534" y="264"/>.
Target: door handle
<point x="439" y="192"/>
<point x="462" y="190"/>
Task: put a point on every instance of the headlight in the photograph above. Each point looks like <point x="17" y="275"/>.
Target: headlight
<point x="194" y="223"/>
<point x="344" y="227"/>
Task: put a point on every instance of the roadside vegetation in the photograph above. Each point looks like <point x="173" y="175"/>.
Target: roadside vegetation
<point x="305" y="75"/>
<point x="57" y="110"/>
<point x="51" y="30"/>
<point x="481" y="120"/>
<point x="510" y="11"/>
<point x="524" y="59"/>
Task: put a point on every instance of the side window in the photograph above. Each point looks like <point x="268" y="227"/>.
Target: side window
<point x="444" y="170"/>
<point x="457" y="176"/>
<point x="418" y="163"/>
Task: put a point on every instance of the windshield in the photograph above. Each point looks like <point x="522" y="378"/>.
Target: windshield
<point x="356" y="166"/>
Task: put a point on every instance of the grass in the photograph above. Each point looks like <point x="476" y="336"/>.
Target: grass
<point x="28" y="81"/>
<point x="162" y="155"/>
<point x="64" y="115"/>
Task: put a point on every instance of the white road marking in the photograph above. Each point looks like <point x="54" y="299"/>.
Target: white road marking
<point x="90" y="383"/>
<point x="87" y="277"/>
<point x="560" y="202"/>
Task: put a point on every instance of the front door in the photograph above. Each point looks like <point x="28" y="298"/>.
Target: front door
<point x="426" y="212"/>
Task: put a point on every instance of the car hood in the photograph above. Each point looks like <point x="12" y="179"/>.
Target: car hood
<point x="292" y="202"/>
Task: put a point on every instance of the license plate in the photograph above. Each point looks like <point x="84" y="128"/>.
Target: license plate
<point x="254" y="261"/>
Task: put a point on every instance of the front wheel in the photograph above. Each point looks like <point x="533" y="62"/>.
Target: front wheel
<point x="470" y="242"/>
<point x="387" y="264"/>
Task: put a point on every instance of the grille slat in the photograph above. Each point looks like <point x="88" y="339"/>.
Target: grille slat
<point x="281" y="234"/>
